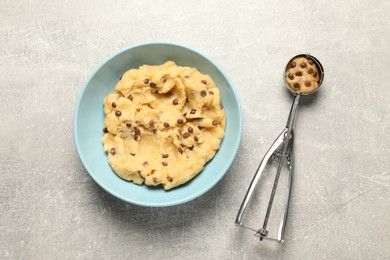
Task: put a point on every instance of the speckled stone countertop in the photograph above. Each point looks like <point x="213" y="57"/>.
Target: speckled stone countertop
<point x="49" y="206"/>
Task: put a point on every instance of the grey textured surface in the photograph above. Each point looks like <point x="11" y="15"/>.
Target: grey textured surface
<point x="51" y="208"/>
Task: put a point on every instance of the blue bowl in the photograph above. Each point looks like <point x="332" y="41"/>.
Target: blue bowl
<point x="89" y="117"/>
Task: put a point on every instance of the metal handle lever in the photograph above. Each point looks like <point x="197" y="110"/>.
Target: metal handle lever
<point x="283" y="149"/>
<point x="258" y="174"/>
<point x="272" y="153"/>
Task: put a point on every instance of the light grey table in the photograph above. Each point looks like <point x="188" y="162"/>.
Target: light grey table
<point x="49" y="206"/>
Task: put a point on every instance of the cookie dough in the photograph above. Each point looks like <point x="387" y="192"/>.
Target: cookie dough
<point x="162" y="124"/>
<point x="302" y="75"/>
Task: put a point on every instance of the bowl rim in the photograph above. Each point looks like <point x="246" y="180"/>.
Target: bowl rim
<point x="193" y="196"/>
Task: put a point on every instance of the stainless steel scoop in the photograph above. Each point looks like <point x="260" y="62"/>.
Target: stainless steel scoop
<point x="282" y="151"/>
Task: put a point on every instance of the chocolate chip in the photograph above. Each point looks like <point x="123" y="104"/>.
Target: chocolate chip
<point x="190" y="129"/>
<point x="299" y="73"/>
<point x="136" y="130"/>
<point x="166" y="124"/>
<point x="146" y="164"/>
<point x="315" y="74"/>
<point x="118" y="113"/>
<point x="204" y="81"/>
<point x="186" y="135"/>
<point x="215" y="122"/>
<point x="293" y="64"/>
<point x="151" y="123"/>
<point x="146" y="81"/>
<point x="296" y="86"/>
<point x="211" y="93"/>
<point x="180" y="150"/>
<point x="152" y="84"/>
<point x="180" y="121"/>
<point x="131" y="97"/>
<point x="182" y="145"/>
<point x="136" y="137"/>
<point x="154" y="130"/>
<point x="303" y="65"/>
<point x="113" y="104"/>
<point x="311" y="71"/>
<point x="164" y="80"/>
<point x="113" y="151"/>
<point x="203" y="93"/>
<point x="191" y="148"/>
<point x="290" y="76"/>
<point x="185" y="114"/>
<point x="132" y="154"/>
<point x="165" y="163"/>
<point x="165" y="155"/>
<point x="120" y="78"/>
<point x="196" y="138"/>
<point x="307" y="83"/>
<point x="193" y="111"/>
<point x="311" y="62"/>
<point x="187" y="76"/>
<point x="128" y="124"/>
<point x="155" y="180"/>
<point x="175" y="101"/>
<point x="105" y="130"/>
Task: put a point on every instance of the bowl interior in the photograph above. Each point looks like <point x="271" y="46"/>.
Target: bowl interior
<point x="89" y="117"/>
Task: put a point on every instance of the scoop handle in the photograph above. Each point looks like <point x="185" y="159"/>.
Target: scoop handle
<point x="286" y="144"/>
<point x="283" y="145"/>
<point x="259" y="172"/>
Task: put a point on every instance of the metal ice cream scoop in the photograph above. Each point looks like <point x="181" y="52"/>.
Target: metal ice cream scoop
<point x="282" y="151"/>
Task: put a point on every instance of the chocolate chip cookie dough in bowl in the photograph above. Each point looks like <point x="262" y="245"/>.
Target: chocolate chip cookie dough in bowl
<point x="163" y="123"/>
<point x="89" y="120"/>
